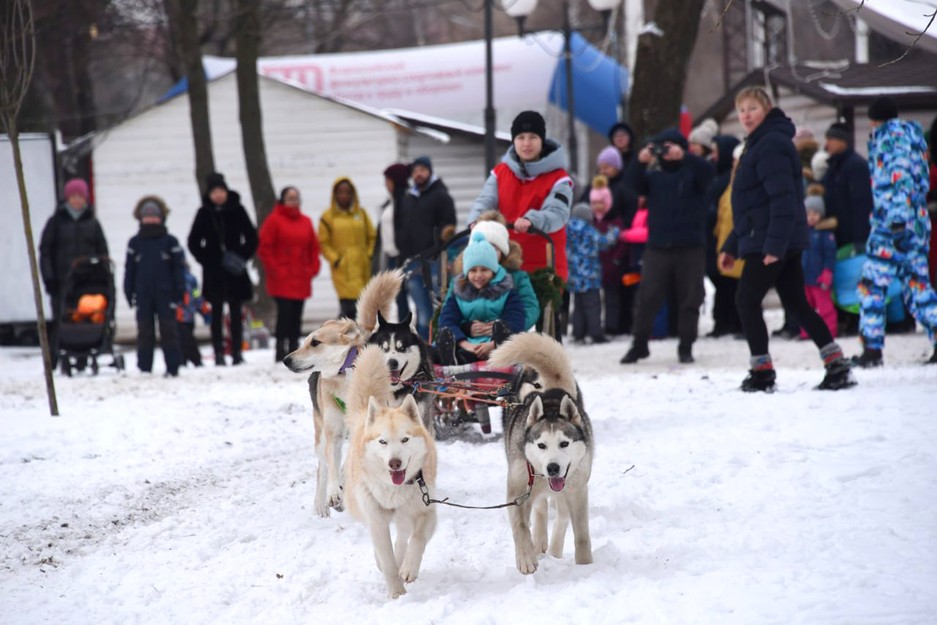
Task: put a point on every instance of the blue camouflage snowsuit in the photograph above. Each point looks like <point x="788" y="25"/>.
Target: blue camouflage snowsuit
<point x="900" y="234"/>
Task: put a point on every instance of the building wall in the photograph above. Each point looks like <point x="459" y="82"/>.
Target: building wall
<point x="310" y="141"/>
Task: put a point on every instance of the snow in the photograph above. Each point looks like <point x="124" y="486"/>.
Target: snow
<point x="190" y="500"/>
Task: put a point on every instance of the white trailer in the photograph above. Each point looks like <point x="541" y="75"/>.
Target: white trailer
<point x="17" y="306"/>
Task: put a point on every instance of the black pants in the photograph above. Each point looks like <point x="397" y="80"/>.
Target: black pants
<point x="587" y="314"/>
<point x="787" y="276"/>
<point x="188" y="344"/>
<point x="667" y="271"/>
<point x="403" y="304"/>
<point x="147" y="310"/>
<point x="725" y="314"/>
<point x="348" y="308"/>
<point x="289" y="325"/>
<point x="217" y="324"/>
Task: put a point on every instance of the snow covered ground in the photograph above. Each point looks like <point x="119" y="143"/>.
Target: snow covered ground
<point x="189" y="500"/>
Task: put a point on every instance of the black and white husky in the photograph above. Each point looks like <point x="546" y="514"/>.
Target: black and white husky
<point x="408" y="361"/>
<point x="548" y="441"/>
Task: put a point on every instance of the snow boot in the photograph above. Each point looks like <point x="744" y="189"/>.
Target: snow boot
<point x="933" y="358"/>
<point x="760" y="380"/>
<point x="869" y="358"/>
<point x="838" y="376"/>
<point x="685" y="353"/>
<point x="638" y="351"/>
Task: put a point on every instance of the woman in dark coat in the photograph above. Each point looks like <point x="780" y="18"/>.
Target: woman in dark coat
<point x="770" y="232"/>
<point x="222" y="225"/>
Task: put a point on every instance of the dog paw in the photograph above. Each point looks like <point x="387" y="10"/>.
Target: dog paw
<point x="396" y="591"/>
<point x="526" y="561"/>
<point x="322" y="510"/>
<point x="335" y="501"/>
<point x="407" y="573"/>
<point x="584" y="557"/>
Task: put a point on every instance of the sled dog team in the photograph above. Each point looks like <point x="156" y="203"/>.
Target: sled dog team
<point x="359" y="370"/>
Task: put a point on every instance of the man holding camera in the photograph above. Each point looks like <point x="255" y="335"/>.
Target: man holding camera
<point x="674" y="183"/>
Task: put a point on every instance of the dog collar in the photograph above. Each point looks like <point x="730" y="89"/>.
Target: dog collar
<point x="349" y="360"/>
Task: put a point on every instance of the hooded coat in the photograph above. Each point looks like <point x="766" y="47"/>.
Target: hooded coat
<point x="848" y="196"/>
<point x="289" y="252"/>
<point x="225" y="226"/>
<point x="346" y="239"/>
<point x="154" y="270"/>
<point x="768" y="193"/>
<point x="540" y="191"/>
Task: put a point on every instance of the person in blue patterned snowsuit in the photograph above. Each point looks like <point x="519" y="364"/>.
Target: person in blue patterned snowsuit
<point x="583" y="244"/>
<point x="900" y="230"/>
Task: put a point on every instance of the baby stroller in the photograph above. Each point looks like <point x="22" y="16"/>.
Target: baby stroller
<point x="86" y="324"/>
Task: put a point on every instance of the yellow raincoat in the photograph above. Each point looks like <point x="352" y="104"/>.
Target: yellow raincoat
<point x="347" y="239"/>
<point x="722" y="230"/>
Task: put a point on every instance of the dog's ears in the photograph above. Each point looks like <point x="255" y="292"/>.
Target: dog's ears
<point x="408" y="320"/>
<point x="380" y="319"/>
<point x="351" y="333"/>
<point x="570" y="411"/>
<point x="373" y="409"/>
<point x="535" y="413"/>
<point x="411" y="409"/>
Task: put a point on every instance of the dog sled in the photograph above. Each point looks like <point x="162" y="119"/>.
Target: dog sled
<point x="465" y="393"/>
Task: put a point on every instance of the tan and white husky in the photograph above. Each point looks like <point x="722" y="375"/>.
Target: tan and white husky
<point x="328" y="354"/>
<point x="391" y="459"/>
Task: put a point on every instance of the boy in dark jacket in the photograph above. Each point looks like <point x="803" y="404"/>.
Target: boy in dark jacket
<point x="482" y="308"/>
<point x="154" y="283"/>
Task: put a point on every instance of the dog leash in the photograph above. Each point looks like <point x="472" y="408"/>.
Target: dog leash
<point x="427" y="500"/>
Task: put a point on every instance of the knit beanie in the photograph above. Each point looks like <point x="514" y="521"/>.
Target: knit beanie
<point x="77" y="186"/>
<point x="672" y="135"/>
<point x="603" y="195"/>
<point x="839" y="130"/>
<point x="610" y="156"/>
<point x="882" y="109"/>
<point x="529" y="121"/>
<point x="398" y="173"/>
<point x="816" y="204"/>
<point x="704" y="133"/>
<point x="583" y="211"/>
<point x="495" y="233"/>
<point x="423" y="161"/>
<point x="479" y="253"/>
<point x="213" y="181"/>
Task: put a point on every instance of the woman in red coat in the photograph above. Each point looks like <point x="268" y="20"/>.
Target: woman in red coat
<point x="289" y="252"/>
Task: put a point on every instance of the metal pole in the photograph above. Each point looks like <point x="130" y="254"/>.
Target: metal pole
<point x="489" y="93"/>
<point x="570" y="103"/>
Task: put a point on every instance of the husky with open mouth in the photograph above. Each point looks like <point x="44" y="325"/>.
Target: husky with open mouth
<point x="548" y="441"/>
<point x="408" y="360"/>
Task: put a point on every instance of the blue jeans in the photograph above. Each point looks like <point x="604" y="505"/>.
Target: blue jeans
<point x="420" y="294"/>
<point x="403" y="304"/>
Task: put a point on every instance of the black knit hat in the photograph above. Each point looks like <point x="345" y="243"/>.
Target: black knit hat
<point x="882" y="109"/>
<point x="215" y="180"/>
<point x="839" y="130"/>
<point x="529" y="121"/>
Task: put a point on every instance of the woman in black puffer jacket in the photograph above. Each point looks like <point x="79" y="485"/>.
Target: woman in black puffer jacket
<point x="770" y="232"/>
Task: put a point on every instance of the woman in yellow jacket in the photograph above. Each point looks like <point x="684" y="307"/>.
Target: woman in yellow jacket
<point x="346" y="238"/>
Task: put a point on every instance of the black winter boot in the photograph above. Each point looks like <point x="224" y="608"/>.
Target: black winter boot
<point x="760" y="380"/>
<point x="868" y="359"/>
<point x="638" y="351"/>
<point x="933" y="358"/>
<point x="838" y="376"/>
<point x="685" y="353"/>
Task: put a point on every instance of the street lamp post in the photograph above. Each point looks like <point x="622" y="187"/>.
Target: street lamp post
<point x="519" y="10"/>
<point x="489" y="92"/>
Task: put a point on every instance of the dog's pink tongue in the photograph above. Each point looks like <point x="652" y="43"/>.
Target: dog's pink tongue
<point x="557" y="483"/>
<point x="398" y="477"/>
<point x="394" y="376"/>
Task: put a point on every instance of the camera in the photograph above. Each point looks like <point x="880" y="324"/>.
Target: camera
<point x="658" y="150"/>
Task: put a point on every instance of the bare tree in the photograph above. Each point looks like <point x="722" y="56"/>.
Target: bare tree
<point x="183" y="17"/>
<point x="248" y="35"/>
<point x="661" y="65"/>
<point x="17" y="60"/>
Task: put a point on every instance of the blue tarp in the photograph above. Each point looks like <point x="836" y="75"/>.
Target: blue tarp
<point x="599" y="83"/>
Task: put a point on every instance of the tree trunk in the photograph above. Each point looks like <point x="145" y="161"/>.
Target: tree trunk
<point x="661" y="66"/>
<point x="247" y="31"/>
<point x="183" y="15"/>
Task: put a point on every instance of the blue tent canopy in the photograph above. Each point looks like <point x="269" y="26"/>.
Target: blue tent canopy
<point x="599" y="83"/>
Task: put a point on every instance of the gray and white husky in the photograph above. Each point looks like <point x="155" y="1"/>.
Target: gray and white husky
<point x="408" y="360"/>
<point x="548" y="440"/>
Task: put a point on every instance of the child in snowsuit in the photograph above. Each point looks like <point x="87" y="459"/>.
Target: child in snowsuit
<point x="192" y="303"/>
<point x="154" y="283"/>
<point x="583" y="244"/>
<point x="481" y="300"/>
<point x="819" y="260"/>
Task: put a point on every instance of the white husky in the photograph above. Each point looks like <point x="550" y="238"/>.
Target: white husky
<point x="391" y="459"/>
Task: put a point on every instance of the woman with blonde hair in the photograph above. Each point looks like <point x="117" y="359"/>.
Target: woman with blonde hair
<point x="770" y="233"/>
